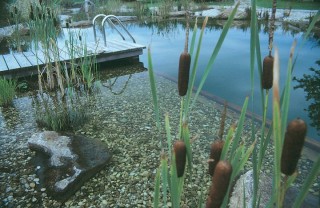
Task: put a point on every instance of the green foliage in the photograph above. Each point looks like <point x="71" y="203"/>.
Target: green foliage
<point x="310" y="84"/>
<point x="60" y="113"/>
<point x="237" y="149"/>
<point x="7" y="91"/>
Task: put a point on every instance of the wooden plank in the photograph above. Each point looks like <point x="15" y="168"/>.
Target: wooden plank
<point x="11" y="61"/>
<point x="3" y="65"/>
<point x="64" y="55"/>
<point x="40" y="56"/>
<point x="32" y="58"/>
<point x="22" y="60"/>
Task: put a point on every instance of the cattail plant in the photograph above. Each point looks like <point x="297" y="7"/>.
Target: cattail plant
<point x="267" y="72"/>
<point x="184" y="65"/>
<point x="180" y="152"/>
<point x="292" y="146"/>
<point x="215" y="153"/>
<point x="220" y="184"/>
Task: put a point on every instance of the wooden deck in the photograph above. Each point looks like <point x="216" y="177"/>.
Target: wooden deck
<point x="25" y="63"/>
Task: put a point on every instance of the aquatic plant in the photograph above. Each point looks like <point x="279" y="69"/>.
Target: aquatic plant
<point x="236" y="150"/>
<point x="60" y="113"/>
<point x="7" y="91"/>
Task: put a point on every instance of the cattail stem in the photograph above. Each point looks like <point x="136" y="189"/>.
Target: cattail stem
<point x="187" y="33"/>
<point x="272" y="27"/>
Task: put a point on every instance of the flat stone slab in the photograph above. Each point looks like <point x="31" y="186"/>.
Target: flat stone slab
<point x="64" y="163"/>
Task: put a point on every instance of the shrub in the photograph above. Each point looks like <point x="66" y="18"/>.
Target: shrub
<point x="7" y="91"/>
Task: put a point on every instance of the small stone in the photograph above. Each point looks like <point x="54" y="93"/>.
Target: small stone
<point x="43" y="189"/>
<point x="32" y="185"/>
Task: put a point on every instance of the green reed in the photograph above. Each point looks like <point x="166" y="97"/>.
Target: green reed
<point x="7" y="91"/>
<point x="61" y="113"/>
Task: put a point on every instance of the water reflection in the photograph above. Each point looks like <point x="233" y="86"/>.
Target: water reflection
<point x="310" y="83"/>
<point x="117" y="75"/>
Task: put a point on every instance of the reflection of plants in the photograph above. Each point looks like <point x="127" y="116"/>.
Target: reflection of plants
<point x="7" y="91"/>
<point x="111" y="84"/>
<point x="310" y="84"/>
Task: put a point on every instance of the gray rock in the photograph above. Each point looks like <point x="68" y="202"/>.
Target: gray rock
<point x="66" y="161"/>
<point x="245" y="182"/>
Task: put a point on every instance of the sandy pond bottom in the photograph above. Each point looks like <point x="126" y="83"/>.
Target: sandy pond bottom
<point x="125" y="122"/>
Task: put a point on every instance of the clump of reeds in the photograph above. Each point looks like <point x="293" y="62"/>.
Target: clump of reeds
<point x="7" y="91"/>
<point x="292" y="146"/>
<point x="220" y="184"/>
<point x="60" y="113"/>
<point x="180" y="152"/>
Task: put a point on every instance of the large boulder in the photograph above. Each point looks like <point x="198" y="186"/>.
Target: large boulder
<point x="64" y="163"/>
<point x="244" y="187"/>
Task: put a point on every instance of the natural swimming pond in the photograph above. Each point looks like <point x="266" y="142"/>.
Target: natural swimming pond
<point x="125" y="122"/>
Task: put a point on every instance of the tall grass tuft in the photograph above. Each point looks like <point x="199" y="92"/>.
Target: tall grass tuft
<point x="7" y="91"/>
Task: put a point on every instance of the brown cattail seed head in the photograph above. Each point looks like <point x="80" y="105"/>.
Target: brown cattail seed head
<point x="215" y="153"/>
<point x="180" y="152"/>
<point x="220" y="184"/>
<point x="183" y="77"/>
<point x="292" y="146"/>
<point x="267" y="72"/>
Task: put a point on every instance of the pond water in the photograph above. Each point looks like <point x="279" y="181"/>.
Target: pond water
<point x="230" y="76"/>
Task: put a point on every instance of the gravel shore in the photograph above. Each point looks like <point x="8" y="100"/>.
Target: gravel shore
<point x="126" y="124"/>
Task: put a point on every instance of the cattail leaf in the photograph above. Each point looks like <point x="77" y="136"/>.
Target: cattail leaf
<point x="164" y="176"/>
<point x="186" y="139"/>
<point x="240" y="126"/>
<point x="315" y="171"/>
<point x="276" y="119"/>
<point x="156" y="193"/>
<point x="195" y="65"/>
<point x="286" y="95"/>
<point x="153" y="89"/>
<point x="227" y="143"/>
<point x="215" y="52"/>
<point x="168" y="133"/>
<point x="174" y="186"/>
<point x="240" y="165"/>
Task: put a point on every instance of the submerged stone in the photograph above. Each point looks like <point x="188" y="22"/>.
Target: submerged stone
<point x="244" y="189"/>
<point x="66" y="162"/>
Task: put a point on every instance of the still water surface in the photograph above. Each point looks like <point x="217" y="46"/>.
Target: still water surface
<point x="230" y="75"/>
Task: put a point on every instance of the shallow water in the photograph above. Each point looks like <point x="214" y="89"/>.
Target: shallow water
<point x="122" y="117"/>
